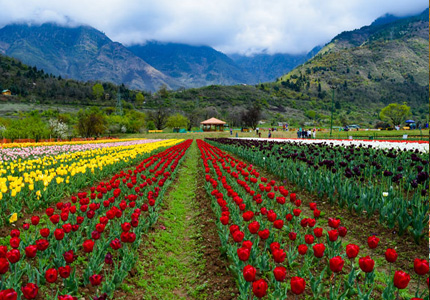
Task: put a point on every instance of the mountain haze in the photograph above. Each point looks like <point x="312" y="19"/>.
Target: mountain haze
<point x="192" y="66"/>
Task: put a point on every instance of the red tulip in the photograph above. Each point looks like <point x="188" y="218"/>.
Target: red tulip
<point x="317" y="213"/>
<point x="311" y="222"/>
<point x="352" y="251"/>
<point x="401" y="279"/>
<point x="243" y="253"/>
<point x="115" y="244"/>
<point x="96" y="279"/>
<point x="51" y="275"/>
<point x="253" y="227"/>
<point x="264" y="234"/>
<point x="336" y="264"/>
<point x="3" y="251"/>
<point x="249" y="273"/>
<point x="14" y="242"/>
<point x="275" y="246"/>
<point x="224" y="220"/>
<point x="259" y="288"/>
<point x="49" y="211"/>
<point x="298" y="285"/>
<point x="88" y="246"/>
<point x="342" y="231"/>
<point x="319" y="250"/>
<point x="333" y="222"/>
<point x="372" y="241"/>
<point x="391" y="255"/>
<point x="238" y="236"/>
<point x="333" y="235"/>
<point x="297" y="212"/>
<point x="279" y="255"/>
<point x="292" y="236"/>
<point x="421" y="266"/>
<point x="366" y="264"/>
<point x="233" y="228"/>
<point x="280" y="273"/>
<point x="8" y="294"/>
<point x="42" y="244"/>
<point x="4" y="265"/>
<point x="69" y="257"/>
<point x="64" y="271"/>
<point x="247" y="216"/>
<point x="312" y="205"/>
<point x="44" y="232"/>
<point x="59" y="234"/>
<point x="309" y="239"/>
<point x="318" y="232"/>
<point x="278" y="224"/>
<point x="302" y="249"/>
<point x="31" y="251"/>
<point x="30" y="290"/>
<point x="247" y="244"/>
<point x="13" y="256"/>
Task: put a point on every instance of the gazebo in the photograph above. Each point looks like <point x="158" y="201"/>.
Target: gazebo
<point x="213" y="125"/>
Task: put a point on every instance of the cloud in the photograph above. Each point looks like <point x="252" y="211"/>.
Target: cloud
<point x="232" y="26"/>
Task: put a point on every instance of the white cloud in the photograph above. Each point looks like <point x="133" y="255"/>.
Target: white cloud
<point x="244" y="26"/>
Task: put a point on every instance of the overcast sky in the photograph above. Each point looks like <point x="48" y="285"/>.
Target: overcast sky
<point x="231" y="26"/>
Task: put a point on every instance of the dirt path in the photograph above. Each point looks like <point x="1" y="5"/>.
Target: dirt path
<point x="180" y="258"/>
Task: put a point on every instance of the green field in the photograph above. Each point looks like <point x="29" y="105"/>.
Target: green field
<point x="381" y="135"/>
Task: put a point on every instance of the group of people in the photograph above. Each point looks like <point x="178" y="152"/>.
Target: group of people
<point x="303" y="133"/>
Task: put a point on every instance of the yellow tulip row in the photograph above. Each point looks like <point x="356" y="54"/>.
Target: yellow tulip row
<point x="19" y="176"/>
<point x="23" y="145"/>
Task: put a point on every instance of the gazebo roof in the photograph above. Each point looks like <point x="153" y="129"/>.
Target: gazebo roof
<point x="213" y="121"/>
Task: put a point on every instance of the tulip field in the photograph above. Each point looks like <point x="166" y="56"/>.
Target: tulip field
<point x="77" y="218"/>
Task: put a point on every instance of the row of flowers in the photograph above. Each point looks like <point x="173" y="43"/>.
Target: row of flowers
<point x="12" y="154"/>
<point x="422" y="146"/>
<point x="75" y="141"/>
<point x="278" y="251"/>
<point x="38" y="182"/>
<point x="90" y="240"/>
<point x="365" y="180"/>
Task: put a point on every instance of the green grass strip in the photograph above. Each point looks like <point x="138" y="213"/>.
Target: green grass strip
<point x="169" y="268"/>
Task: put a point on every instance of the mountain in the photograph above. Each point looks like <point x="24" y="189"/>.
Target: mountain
<point x="82" y="53"/>
<point x="197" y="66"/>
<point x="266" y="67"/>
<point x="192" y="66"/>
<point x="370" y="67"/>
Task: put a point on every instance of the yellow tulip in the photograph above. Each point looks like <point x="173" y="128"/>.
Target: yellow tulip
<point x="13" y="218"/>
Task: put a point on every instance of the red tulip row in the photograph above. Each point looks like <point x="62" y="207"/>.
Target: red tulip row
<point x="270" y="241"/>
<point x="90" y="239"/>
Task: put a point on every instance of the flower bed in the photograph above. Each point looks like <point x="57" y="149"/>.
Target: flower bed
<point x="36" y="183"/>
<point x="391" y="183"/>
<point x="91" y="240"/>
<point x="279" y="252"/>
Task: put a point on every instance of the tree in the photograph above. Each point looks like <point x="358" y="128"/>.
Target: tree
<point x="251" y="116"/>
<point x="91" y="122"/>
<point x="159" y="117"/>
<point x="140" y="99"/>
<point x="177" y="121"/>
<point x="98" y="90"/>
<point x="395" y="113"/>
<point x="311" y="114"/>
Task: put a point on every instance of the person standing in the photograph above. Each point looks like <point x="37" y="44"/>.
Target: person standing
<point x="314" y="133"/>
<point x="270" y="133"/>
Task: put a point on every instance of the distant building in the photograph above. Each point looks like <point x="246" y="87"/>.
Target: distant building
<point x="6" y="93"/>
